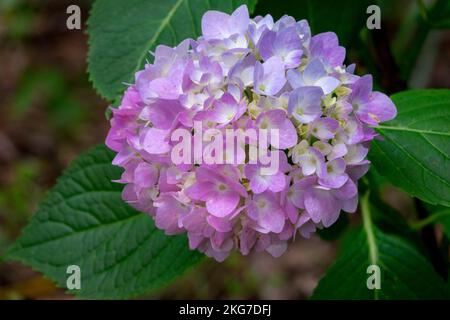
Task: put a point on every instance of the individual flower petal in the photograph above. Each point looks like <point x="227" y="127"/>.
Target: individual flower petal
<point x="378" y="108"/>
<point x="162" y="113"/>
<point x="225" y="110"/>
<point x="259" y="182"/>
<point x="305" y="226"/>
<point x="145" y="175"/>
<point x="339" y="150"/>
<point x="269" y="77"/>
<point x="326" y="47"/>
<point x="324" y="128"/>
<point x="313" y="162"/>
<point x="277" y="120"/>
<point x="355" y="154"/>
<point x="304" y="104"/>
<point x="335" y="176"/>
<point x="219" y="25"/>
<point x="156" y="141"/>
<point x="314" y="74"/>
<point x="219" y="224"/>
<point x="167" y="214"/>
<point x="265" y="210"/>
<point x="222" y="203"/>
<point x="243" y="71"/>
<point x="322" y="206"/>
<point x="284" y="44"/>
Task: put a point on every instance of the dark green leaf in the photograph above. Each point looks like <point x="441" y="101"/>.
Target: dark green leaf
<point x="84" y="222"/>
<point x="121" y="33"/>
<point x="389" y="220"/>
<point x="405" y="273"/>
<point x="414" y="154"/>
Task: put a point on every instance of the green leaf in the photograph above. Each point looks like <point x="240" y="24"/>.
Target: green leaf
<point x="345" y="17"/>
<point x="443" y="218"/>
<point x="121" y="34"/>
<point x="84" y="222"/>
<point x="442" y="24"/>
<point x="414" y="154"/>
<point x="405" y="273"/>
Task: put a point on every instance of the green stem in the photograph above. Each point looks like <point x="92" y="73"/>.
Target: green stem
<point x="430" y="219"/>
<point x="368" y="227"/>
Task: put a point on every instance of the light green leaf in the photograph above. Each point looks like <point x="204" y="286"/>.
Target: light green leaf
<point x="404" y="272"/>
<point x="84" y="222"/>
<point x="415" y="152"/>
<point x="121" y="33"/>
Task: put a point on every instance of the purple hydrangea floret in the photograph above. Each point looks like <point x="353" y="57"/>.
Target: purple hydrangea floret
<point x="248" y="73"/>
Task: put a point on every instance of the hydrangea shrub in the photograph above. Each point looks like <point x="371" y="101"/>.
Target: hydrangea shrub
<point x="213" y="68"/>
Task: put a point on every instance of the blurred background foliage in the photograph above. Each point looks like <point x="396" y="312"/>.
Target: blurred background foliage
<point x="50" y="113"/>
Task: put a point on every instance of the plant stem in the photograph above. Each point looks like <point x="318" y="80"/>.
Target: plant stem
<point x="367" y="223"/>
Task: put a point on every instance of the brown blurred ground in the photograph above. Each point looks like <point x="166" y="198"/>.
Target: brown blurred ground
<point x="50" y="113"/>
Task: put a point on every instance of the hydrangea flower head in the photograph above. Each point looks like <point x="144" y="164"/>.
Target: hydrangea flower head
<point x="246" y="74"/>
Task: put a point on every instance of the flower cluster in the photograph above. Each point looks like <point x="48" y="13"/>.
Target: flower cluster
<point x="248" y="73"/>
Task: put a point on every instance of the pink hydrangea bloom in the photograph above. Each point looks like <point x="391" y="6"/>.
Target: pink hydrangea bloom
<point x="247" y="73"/>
